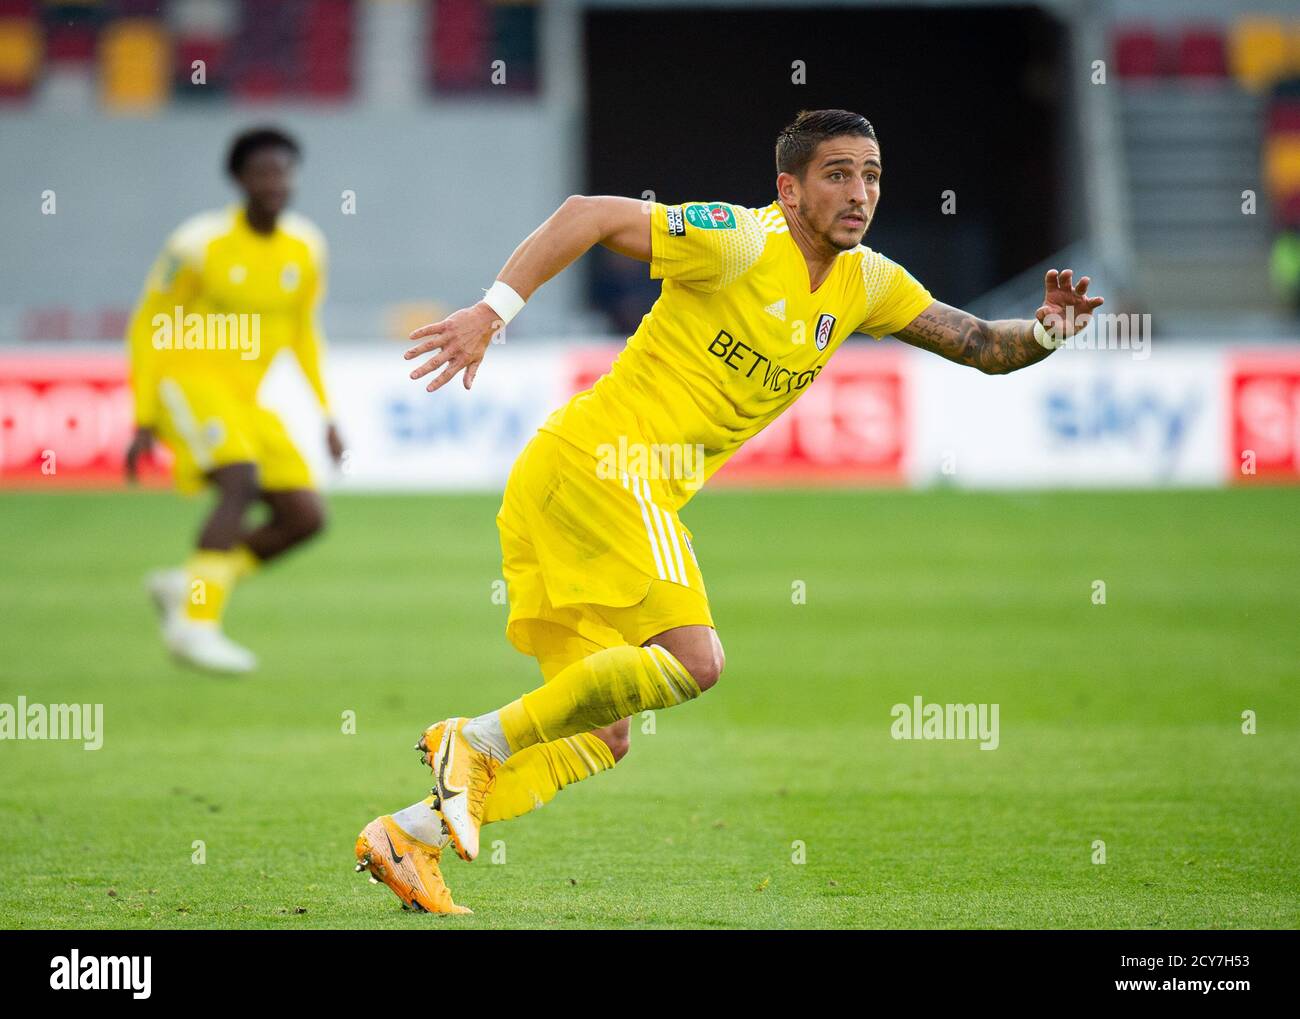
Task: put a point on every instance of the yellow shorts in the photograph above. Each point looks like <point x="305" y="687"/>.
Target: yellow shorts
<point x="207" y="426"/>
<point x="604" y="557"/>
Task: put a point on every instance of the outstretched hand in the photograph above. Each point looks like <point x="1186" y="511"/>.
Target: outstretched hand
<point x="1066" y="308"/>
<point x="334" y="441"/>
<point x="459" y="341"/>
<point x="141" y="448"/>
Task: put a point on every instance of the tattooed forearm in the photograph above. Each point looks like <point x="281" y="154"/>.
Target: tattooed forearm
<point x="993" y="347"/>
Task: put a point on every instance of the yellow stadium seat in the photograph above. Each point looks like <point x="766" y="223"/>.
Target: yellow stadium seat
<point x="20" y="51"/>
<point x="135" y="65"/>
<point x="1282" y="164"/>
<point x="1259" y="52"/>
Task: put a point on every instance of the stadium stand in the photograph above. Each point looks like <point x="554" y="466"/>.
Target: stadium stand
<point x="143" y="54"/>
<point x="1205" y="129"/>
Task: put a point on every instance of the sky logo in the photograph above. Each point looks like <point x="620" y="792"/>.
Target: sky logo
<point x="427" y="422"/>
<point x="1144" y="418"/>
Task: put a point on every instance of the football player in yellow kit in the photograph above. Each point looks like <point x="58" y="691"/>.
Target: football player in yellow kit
<point x="605" y="589"/>
<point x="230" y="290"/>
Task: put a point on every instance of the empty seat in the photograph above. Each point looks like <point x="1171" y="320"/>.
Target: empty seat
<point x="212" y="53"/>
<point x="1259" y="51"/>
<point x="20" y="55"/>
<point x="460" y="44"/>
<point x="1282" y="164"/>
<point x="70" y="44"/>
<point x="135" y="64"/>
<point x="1287" y="211"/>
<point x="1139" y="53"/>
<point x="1283" y="115"/>
<point x="327" y="50"/>
<point x="1200" y="53"/>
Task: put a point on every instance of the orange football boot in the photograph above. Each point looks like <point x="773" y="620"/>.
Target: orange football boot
<point x="462" y="777"/>
<point x="409" y="867"/>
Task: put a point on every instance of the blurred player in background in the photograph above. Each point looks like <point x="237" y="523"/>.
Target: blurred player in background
<point x="231" y="289"/>
<point x="605" y="590"/>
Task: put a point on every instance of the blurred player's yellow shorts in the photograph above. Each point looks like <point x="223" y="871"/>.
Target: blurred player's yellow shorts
<point x="603" y="556"/>
<point x="207" y="426"/>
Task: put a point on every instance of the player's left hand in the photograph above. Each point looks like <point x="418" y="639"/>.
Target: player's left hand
<point x="140" y="449"/>
<point x="460" y="340"/>
<point x="335" y="443"/>
<point x="1066" y="308"/>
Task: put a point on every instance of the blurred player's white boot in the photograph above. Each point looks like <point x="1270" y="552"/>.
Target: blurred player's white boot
<point x="203" y="644"/>
<point x="167" y="589"/>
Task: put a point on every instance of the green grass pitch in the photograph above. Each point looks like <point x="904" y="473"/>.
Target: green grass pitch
<point x="1119" y="722"/>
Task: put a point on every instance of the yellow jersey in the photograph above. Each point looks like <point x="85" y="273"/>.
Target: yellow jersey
<point x="222" y="300"/>
<point x="734" y="338"/>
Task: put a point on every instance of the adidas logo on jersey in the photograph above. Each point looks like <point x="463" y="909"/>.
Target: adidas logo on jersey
<point x="777" y="310"/>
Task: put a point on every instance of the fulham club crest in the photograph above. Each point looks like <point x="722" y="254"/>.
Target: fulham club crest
<point x="825" y="326"/>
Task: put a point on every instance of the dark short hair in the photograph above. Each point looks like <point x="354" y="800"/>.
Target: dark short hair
<point x="255" y="139"/>
<point x="798" y="141"/>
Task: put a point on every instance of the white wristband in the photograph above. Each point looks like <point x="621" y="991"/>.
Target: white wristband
<point x="1045" y="338"/>
<point x="502" y="299"/>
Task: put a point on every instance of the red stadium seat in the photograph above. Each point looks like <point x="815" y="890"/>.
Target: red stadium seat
<point x="1288" y="211"/>
<point x="210" y="51"/>
<point x="261" y="83"/>
<point x="1201" y="53"/>
<point x="70" y="44"/>
<point x="327" y="50"/>
<point x="1139" y="53"/>
<point x="460" y="35"/>
<point x="1283" y="116"/>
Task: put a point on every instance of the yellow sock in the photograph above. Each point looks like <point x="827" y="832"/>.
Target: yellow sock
<point x="211" y="576"/>
<point x="612" y="684"/>
<point x="531" y="778"/>
<point x="244" y="561"/>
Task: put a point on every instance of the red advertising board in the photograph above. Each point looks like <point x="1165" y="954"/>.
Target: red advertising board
<point x="1264" y="417"/>
<point x="849" y="426"/>
<point x="66" y="419"/>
